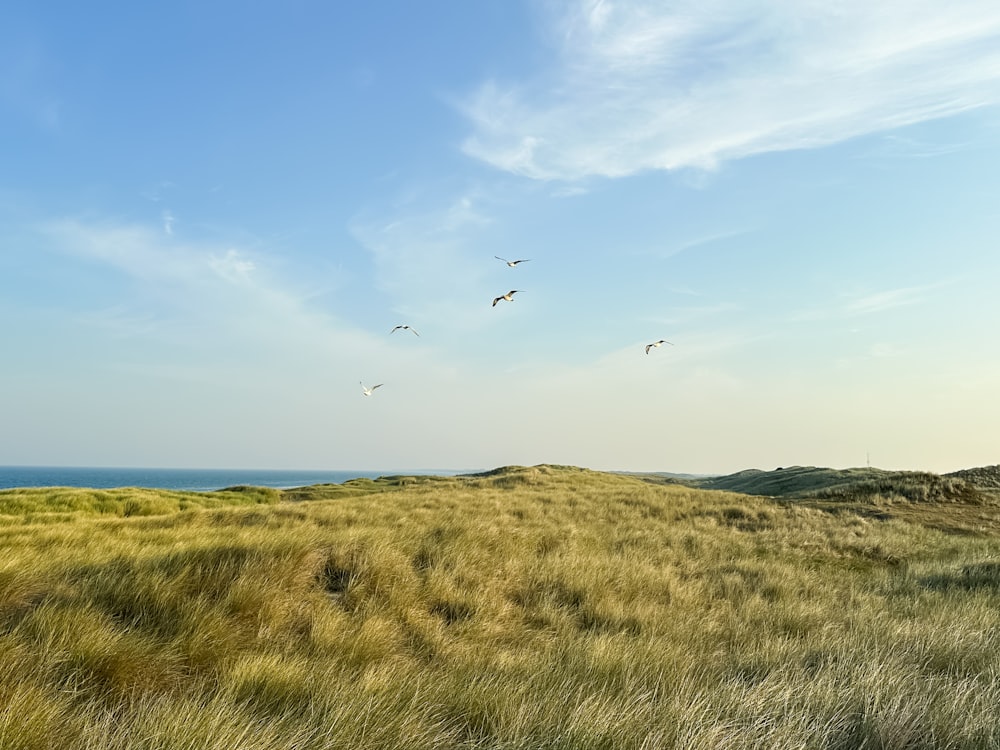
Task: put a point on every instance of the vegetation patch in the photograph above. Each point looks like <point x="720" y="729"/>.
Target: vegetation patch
<point x="32" y="502"/>
<point x="531" y="607"/>
<point x="862" y="485"/>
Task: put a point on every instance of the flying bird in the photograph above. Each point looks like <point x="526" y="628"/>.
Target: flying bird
<point x="512" y="263"/>
<point x="405" y="328"/>
<point x="509" y="296"/>
<point x="370" y="391"/>
<point x="656" y="344"/>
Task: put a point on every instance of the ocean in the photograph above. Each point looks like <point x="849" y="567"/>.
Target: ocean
<point x="196" y="480"/>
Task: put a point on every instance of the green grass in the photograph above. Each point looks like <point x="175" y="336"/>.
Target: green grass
<point x="865" y="485"/>
<point x="542" y="607"/>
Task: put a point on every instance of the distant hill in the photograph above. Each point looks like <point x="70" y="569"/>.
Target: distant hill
<point x="984" y="477"/>
<point x="975" y="486"/>
<point x="793" y="480"/>
<point x="666" y="477"/>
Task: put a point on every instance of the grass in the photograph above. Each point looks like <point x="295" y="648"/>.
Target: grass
<point x="543" y="607"/>
<point x="867" y="485"/>
<point x="41" y="503"/>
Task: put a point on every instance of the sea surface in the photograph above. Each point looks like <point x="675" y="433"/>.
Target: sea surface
<point x="196" y="480"/>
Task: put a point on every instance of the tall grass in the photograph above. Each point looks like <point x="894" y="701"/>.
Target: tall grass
<point x="526" y="608"/>
<point x="39" y="503"/>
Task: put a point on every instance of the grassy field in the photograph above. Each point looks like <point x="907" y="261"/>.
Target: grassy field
<point x="544" y="607"/>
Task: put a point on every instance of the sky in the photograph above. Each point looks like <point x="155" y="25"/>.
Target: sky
<point x="213" y="214"/>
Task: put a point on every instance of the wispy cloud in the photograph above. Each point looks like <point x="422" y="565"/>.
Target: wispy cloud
<point x="226" y="290"/>
<point x="232" y="266"/>
<point x="569" y="191"/>
<point x="688" y="314"/>
<point x="425" y="256"/>
<point x="895" y="146"/>
<point x="157" y="192"/>
<point x="702" y="240"/>
<point x="886" y="300"/>
<point x="869" y="303"/>
<point x="137" y="251"/>
<point x="639" y="85"/>
<point x="201" y="312"/>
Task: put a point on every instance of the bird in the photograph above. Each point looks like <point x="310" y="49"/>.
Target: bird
<point x="405" y="328"/>
<point x="369" y="391"/>
<point x="512" y="263"/>
<point x="656" y="344"/>
<point x="509" y="296"/>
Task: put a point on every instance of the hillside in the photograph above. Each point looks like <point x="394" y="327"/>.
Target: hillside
<point x="984" y="478"/>
<point x="526" y="607"/>
<point x="791" y="481"/>
<point x="864" y="485"/>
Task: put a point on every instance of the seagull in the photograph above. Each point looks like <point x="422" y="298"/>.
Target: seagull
<point x="370" y="391"/>
<point x="509" y="296"/>
<point x="656" y="344"/>
<point x="512" y="263"/>
<point x="405" y="328"/>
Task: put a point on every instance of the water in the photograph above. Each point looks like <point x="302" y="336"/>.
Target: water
<point x="197" y="480"/>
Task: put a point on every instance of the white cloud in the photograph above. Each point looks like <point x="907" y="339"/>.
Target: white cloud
<point x="886" y="300"/>
<point x="192" y="283"/>
<point x="132" y="249"/>
<point x="162" y="262"/>
<point x="706" y="239"/>
<point x="648" y="85"/>
<point x="895" y="146"/>
<point x="869" y="303"/>
<point x="569" y="191"/>
<point x="233" y="266"/>
<point x="220" y="304"/>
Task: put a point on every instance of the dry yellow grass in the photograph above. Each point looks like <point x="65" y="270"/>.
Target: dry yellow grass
<point x="543" y="607"/>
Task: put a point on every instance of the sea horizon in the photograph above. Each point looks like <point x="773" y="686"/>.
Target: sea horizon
<point x="188" y="479"/>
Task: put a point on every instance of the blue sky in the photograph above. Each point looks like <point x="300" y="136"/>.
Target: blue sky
<point x="212" y="215"/>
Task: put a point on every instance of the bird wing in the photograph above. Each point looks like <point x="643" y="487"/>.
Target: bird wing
<point x="648" y="347"/>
